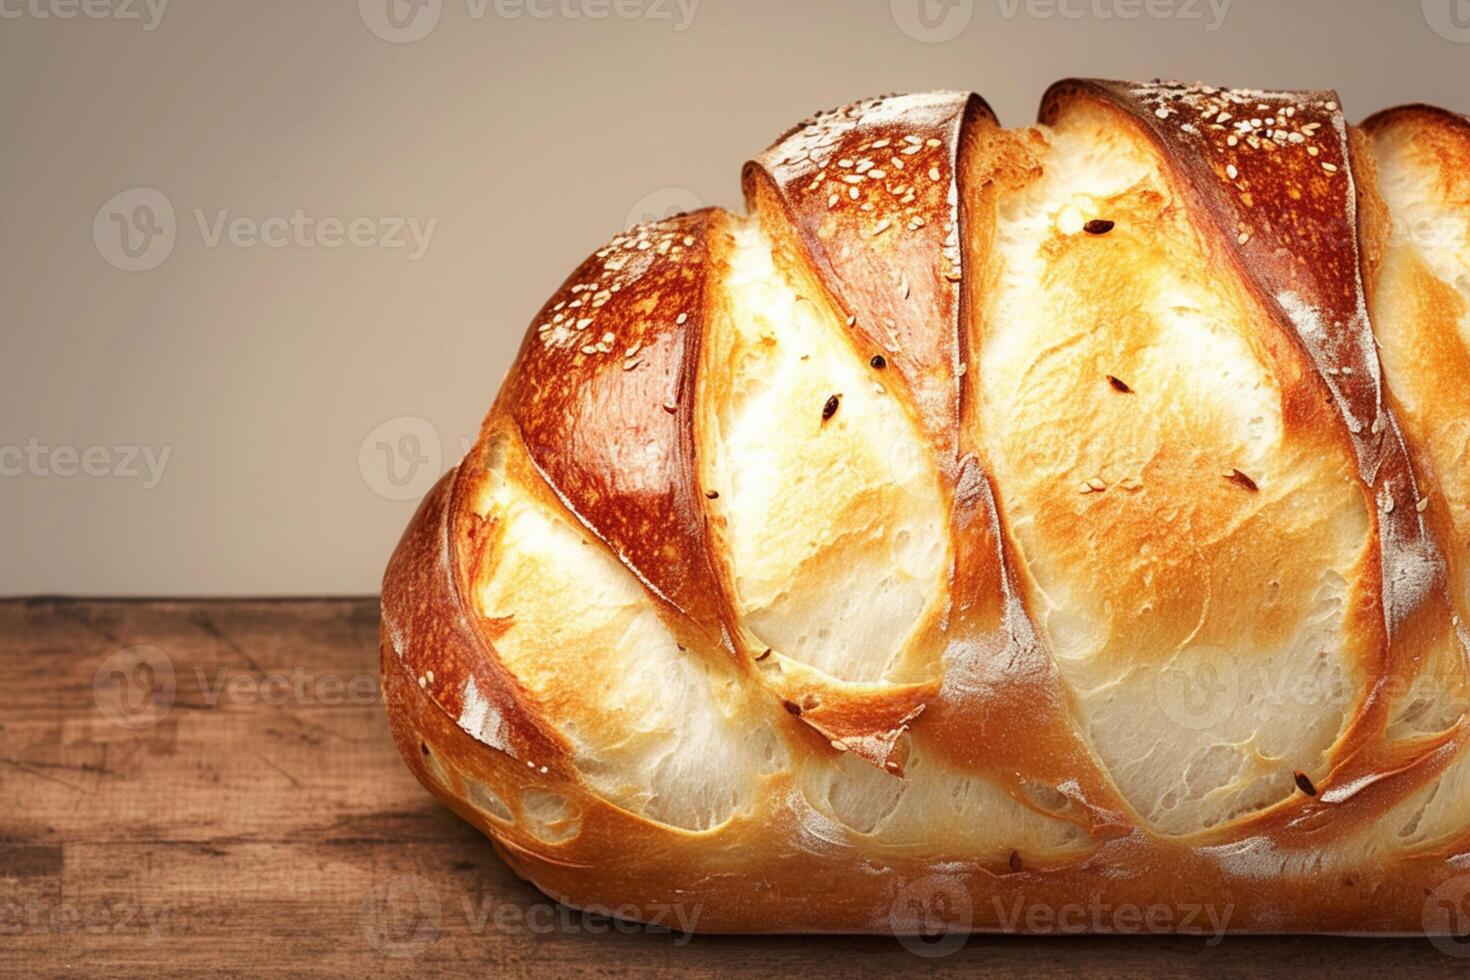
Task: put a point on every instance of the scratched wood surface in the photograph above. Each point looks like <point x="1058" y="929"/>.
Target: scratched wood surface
<point x="209" y="786"/>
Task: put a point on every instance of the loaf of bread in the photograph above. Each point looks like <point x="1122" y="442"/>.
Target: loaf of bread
<point x="991" y="520"/>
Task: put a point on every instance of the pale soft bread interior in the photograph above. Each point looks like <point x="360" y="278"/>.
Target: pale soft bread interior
<point x="835" y="531"/>
<point x="1430" y="209"/>
<point x="931" y="802"/>
<point x="1436" y="697"/>
<point x="1421" y="317"/>
<point x="1184" y="611"/>
<point x="657" y="730"/>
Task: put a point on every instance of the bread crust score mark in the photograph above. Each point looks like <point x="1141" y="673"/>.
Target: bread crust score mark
<point x="965" y="515"/>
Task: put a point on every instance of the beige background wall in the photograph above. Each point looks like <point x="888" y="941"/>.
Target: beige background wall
<point x="281" y="379"/>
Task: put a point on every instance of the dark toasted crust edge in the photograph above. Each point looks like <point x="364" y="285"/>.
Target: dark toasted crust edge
<point x="1384" y="118"/>
<point x="426" y="622"/>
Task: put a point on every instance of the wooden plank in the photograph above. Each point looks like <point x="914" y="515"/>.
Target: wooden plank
<point x="264" y="824"/>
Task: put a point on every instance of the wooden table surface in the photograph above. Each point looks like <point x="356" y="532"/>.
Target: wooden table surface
<point x="191" y="786"/>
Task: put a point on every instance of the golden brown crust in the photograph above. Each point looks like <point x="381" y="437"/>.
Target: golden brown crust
<point x="871" y="198"/>
<point x="888" y="216"/>
<point x="588" y="400"/>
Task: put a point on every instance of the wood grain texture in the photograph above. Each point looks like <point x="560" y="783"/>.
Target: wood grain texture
<point x="264" y="824"/>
